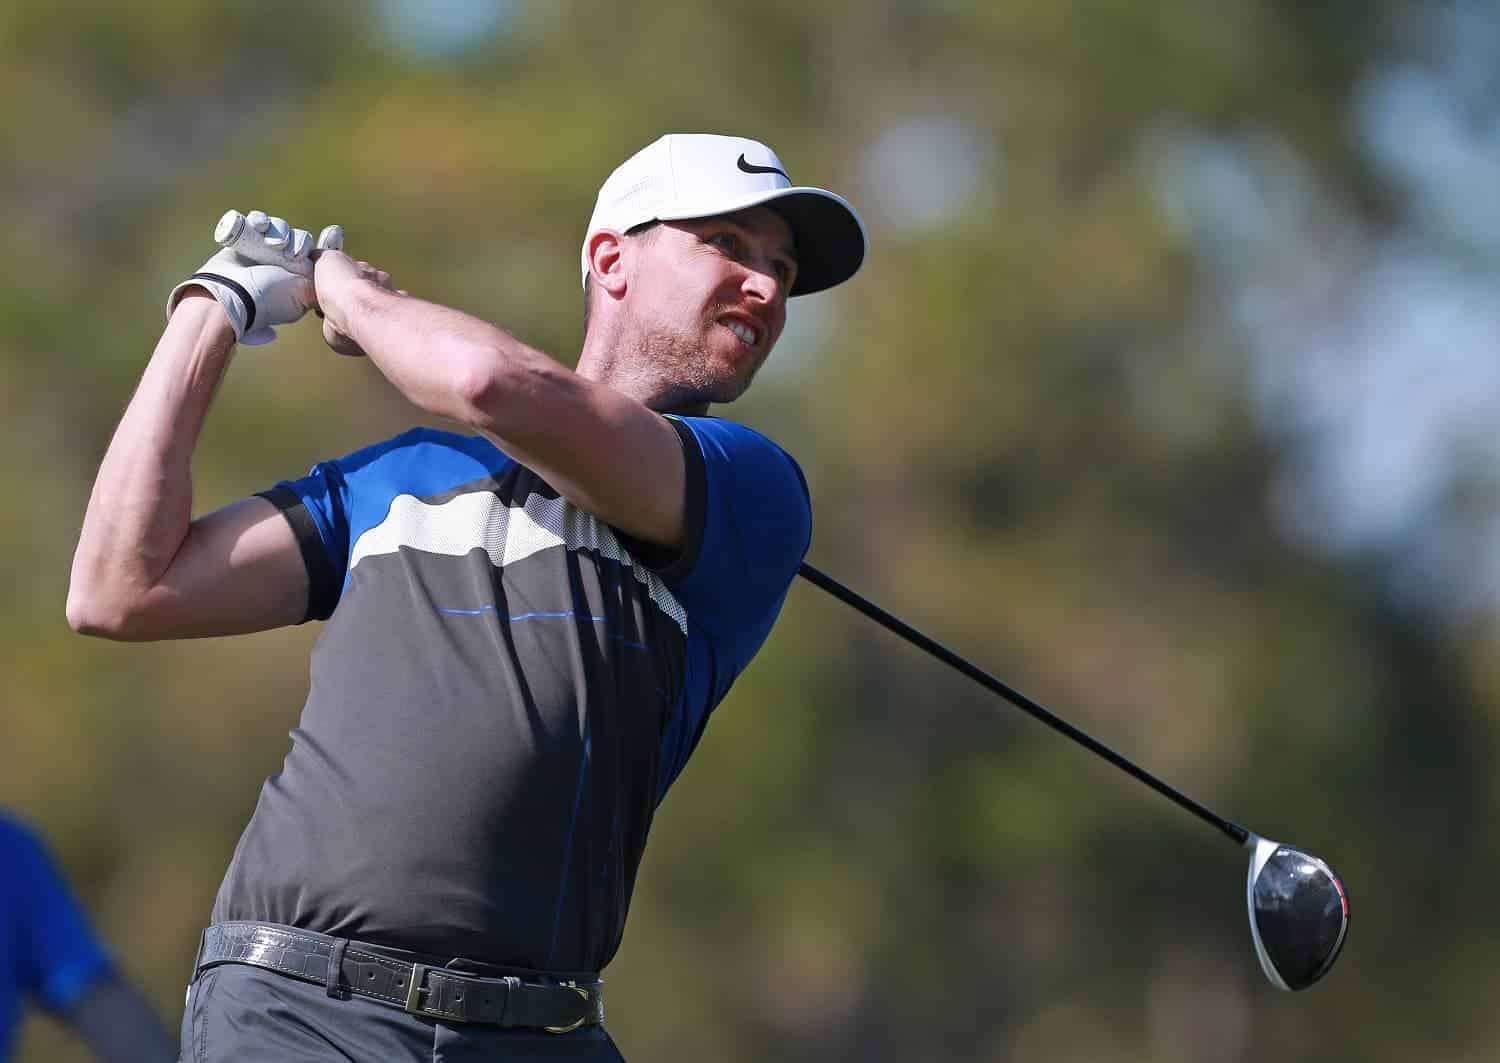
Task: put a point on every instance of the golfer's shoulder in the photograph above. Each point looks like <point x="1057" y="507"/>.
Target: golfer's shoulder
<point x="748" y="505"/>
<point x="423" y="439"/>
<point x="737" y="446"/>
<point x="422" y="456"/>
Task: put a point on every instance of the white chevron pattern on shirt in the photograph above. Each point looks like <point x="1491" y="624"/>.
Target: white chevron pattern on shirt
<point x="507" y="533"/>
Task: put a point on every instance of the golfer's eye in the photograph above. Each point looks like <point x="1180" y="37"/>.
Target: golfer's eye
<point x="783" y="272"/>
<point x="726" y="242"/>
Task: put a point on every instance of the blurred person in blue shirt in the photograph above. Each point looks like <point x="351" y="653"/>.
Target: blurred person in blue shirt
<point x="49" y="954"/>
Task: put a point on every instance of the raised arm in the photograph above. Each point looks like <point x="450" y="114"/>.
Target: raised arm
<point x="604" y="451"/>
<point x="144" y="569"/>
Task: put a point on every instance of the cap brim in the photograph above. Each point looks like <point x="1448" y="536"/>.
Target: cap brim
<point x="829" y="235"/>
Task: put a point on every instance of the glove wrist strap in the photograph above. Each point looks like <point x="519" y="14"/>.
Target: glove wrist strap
<point x="247" y="304"/>
<point x="238" y="306"/>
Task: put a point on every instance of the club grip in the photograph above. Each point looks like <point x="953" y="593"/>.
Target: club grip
<point x="260" y="238"/>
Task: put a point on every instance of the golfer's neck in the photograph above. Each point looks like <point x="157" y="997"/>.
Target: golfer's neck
<point x="602" y="362"/>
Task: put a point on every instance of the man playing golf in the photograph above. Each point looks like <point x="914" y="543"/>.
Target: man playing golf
<point x="527" y="627"/>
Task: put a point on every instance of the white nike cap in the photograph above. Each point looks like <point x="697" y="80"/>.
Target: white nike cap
<point x="700" y="175"/>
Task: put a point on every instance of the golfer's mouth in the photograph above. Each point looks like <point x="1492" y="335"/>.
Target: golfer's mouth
<point x="748" y="334"/>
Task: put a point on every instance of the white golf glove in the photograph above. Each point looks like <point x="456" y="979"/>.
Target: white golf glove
<point x="262" y="276"/>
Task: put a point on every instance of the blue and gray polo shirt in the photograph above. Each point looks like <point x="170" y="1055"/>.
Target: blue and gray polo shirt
<point x="504" y="691"/>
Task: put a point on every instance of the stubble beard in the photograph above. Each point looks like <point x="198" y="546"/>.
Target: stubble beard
<point x="674" y="367"/>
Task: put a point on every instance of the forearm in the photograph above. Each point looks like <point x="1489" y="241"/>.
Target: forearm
<point x="604" y="451"/>
<point x="119" y="1025"/>
<point x="141" y="507"/>
<point x="448" y="362"/>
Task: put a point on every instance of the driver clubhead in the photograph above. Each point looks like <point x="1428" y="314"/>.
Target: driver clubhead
<point x="1299" y="913"/>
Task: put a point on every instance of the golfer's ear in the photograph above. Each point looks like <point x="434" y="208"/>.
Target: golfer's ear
<point x="606" y="262"/>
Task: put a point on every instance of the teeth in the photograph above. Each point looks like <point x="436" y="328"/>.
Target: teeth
<point x="744" y="332"/>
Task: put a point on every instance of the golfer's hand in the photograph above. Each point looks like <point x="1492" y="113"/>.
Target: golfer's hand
<point x="261" y="276"/>
<point x="339" y="283"/>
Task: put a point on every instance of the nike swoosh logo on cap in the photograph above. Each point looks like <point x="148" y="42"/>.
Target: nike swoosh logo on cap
<point x="750" y="167"/>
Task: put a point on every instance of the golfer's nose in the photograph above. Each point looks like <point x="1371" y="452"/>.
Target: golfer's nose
<point x="761" y="285"/>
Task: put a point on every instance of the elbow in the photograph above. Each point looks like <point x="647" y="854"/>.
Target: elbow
<point x="87" y="617"/>
<point x="485" y="387"/>
<point x="473" y="387"/>
<point x="98" y="615"/>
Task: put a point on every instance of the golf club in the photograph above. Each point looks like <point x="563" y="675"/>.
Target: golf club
<point x="268" y="240"/>
<point x="1299" y="909"/>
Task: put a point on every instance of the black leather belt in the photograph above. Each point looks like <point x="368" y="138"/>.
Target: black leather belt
<point x="429" y="991"/>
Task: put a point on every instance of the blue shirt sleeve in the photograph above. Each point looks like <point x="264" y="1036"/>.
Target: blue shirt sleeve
<point x="59" y="956"/>
<point x="339" y="499"/>
<point x="316" y="507"/>
<point x="756" y="526"/>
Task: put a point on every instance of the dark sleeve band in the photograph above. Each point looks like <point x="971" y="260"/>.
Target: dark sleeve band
<point x="322" y="585"/>
<point x="674" y="564"/>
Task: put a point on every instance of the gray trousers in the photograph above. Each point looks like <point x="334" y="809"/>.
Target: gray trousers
<point x="250" y="1015"/>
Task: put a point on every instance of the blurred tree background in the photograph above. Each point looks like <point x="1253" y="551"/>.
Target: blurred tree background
<point x="1167" y="394"/>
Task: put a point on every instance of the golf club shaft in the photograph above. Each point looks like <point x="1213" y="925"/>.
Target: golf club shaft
<point x="1016" y="698"/>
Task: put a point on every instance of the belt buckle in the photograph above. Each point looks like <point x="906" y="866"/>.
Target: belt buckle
<point x="414" y="990"/>
<point x="414" y="1005"/>
<point x="581" y="1019"/>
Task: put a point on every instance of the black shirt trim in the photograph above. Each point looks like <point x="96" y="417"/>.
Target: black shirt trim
<point x="322" y="583"/>
<point x="667" y="563"/>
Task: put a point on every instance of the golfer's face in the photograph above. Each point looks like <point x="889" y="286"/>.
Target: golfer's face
<point x="721" y="284"/>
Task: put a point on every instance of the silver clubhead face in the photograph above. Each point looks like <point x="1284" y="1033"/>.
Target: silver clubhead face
<point x="1299" y="913"/>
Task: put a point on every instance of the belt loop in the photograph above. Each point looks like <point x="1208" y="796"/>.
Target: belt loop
<point x="198" y="956"/>
<point x="335" y="968"/>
